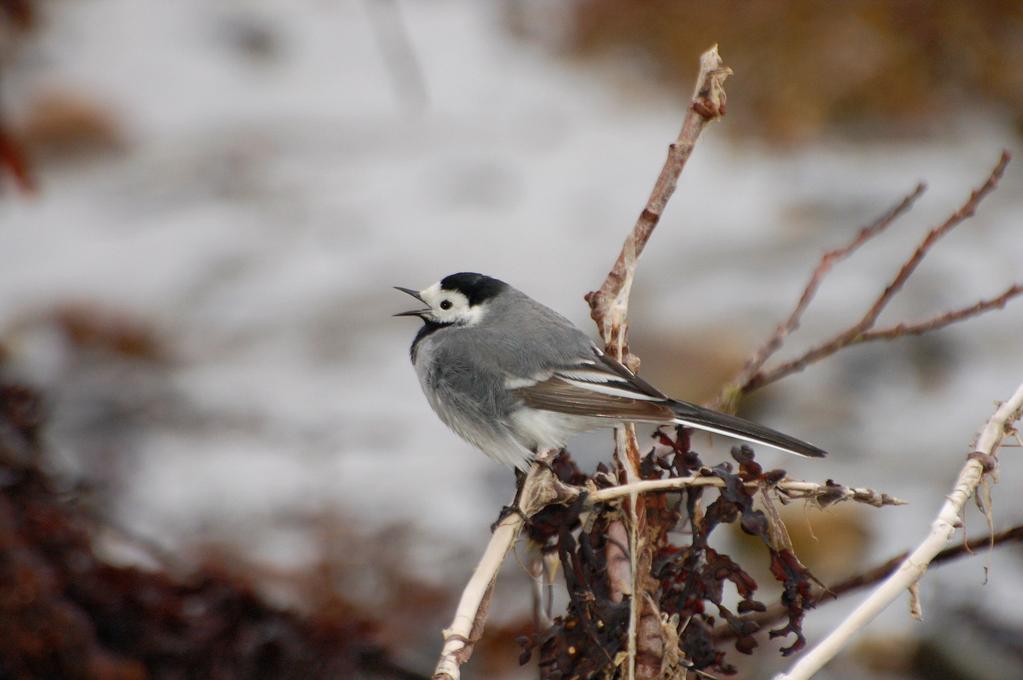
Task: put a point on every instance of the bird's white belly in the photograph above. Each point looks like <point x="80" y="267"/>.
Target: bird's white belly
<point x="539" y="429"/>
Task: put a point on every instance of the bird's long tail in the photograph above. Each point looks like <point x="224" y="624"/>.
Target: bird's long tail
<point x="701" y="418"/>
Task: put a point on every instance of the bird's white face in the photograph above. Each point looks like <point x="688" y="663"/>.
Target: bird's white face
<point x="450" y="306"/>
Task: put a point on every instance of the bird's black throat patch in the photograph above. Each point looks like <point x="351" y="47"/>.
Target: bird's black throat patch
<point x="429" y="327"/>
<point x="475" y="287"/>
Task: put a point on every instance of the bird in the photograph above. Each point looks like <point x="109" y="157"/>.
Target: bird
<point x="512" y="376"/>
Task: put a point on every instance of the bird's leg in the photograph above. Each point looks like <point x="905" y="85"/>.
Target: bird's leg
<point x="520" y="483"/>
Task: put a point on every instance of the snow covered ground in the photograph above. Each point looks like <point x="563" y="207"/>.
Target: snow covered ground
<point x="269" y="197"/>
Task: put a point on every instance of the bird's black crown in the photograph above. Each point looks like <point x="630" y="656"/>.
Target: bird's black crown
<point x="476" y="287"/>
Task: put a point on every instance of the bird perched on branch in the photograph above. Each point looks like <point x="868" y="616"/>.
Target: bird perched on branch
<point x="512" y="376"/>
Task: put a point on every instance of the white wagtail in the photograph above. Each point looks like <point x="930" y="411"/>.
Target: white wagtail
<point x="512" y="376"/>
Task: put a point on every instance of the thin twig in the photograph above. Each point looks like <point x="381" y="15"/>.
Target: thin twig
<point x="609" y="304"/>
<point x="852" y="335"/>
<point x="978" y="464"/>
<point x="730" y="393"/>
<point x="828" y="492"/>
<point x="967" y="210"/>
<point x="946" y="319"/>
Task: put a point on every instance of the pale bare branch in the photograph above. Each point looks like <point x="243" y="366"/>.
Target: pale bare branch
<point x="825" y="493"/>
<point x="978" y="464"/>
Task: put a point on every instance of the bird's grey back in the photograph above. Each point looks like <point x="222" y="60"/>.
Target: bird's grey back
<point x="520" y="337"/>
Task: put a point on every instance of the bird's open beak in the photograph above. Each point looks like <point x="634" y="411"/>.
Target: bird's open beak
<point x="416" y="295"/>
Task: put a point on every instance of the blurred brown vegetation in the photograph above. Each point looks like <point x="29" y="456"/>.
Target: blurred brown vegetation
<point x="804" y="68"/>
<point x="66" y="613"/>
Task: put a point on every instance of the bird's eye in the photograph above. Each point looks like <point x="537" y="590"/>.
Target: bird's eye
<point x="445" y="304"/>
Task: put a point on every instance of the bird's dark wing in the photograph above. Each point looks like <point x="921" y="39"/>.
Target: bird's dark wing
<point x="599" y="387"/>
<point x="602" y="387"/>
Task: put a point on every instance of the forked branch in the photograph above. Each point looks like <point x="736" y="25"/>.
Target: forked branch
<point x="753" y="376"/>
<point x="829" y="259"/>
